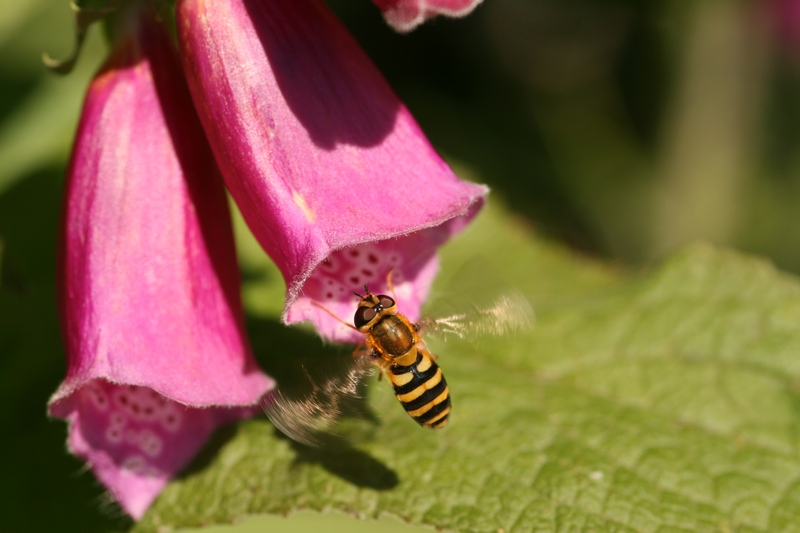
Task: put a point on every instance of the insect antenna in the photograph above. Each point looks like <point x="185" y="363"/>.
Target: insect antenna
<point x="354" y="292"/>
<point x="366" y="289"/>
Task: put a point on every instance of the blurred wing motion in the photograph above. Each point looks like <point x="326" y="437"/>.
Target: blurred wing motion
<point x="508" y="314"/>
<point x="314" y="416"/>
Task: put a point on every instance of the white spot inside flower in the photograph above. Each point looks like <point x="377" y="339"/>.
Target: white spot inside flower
<point x="149" y="406"/>
<point x="135" y="464"/>
<point x="114" y="435"/>
<point x="98" y="396"/>
<point x="150" y="443"/>
<point x="138" y="466"/>
<point x="118" y="419"/>
<point x="360" y="276"/>
<point x="301" y="203"/>
<point x="374" y="259"/>
<point x="171" y="417"/>
<point x="121" y="397"/>
<point x="332" y="289"/>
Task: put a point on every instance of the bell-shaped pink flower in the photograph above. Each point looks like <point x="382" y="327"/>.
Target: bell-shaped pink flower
<point x="330" y="170"/>
<point x="405" y="15"/>
<point x="149" y="285"/>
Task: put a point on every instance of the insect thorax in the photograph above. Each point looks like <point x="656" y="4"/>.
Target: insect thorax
<point x="392" y="336"/>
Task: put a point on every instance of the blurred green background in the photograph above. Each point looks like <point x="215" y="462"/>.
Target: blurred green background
<point x="622" y="128"/>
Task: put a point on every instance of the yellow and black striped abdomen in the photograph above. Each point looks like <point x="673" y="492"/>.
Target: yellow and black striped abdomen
<point x="422" y="390"/>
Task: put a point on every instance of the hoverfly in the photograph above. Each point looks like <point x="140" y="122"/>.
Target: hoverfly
<point x="394" y="345"/>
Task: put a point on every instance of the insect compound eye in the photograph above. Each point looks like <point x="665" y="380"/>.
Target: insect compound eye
<point x="364" y="315"/>
<point x="386" y="302"/>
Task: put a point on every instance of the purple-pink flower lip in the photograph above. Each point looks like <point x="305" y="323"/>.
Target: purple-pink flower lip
<point x="318" y="152"/>
<point x="405" y="15"/>
<point x="149" y="284"/>
<point x="411" y="259"/>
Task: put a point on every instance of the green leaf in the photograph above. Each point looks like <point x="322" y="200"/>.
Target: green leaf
<point x="311" y="522"/>
<point x="661" y="402"/>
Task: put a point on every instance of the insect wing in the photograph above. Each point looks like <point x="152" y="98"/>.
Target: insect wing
<point x="314" y="413"/>
<point x="477" y="303"/>
<point x="509" y="313"/>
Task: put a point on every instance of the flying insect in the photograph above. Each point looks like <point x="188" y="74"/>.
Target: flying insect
<point x="394" y="345"/>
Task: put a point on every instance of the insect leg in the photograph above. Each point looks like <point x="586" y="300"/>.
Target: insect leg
<point x="383" y="365"/>
<point x="389" y="284"/>
<point x="367" y="348"/>
<point x="317" y="304"/>
<point x="361" y="350"/>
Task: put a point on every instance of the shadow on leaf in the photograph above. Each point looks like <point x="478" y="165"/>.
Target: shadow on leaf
<point x="302" y="366"/>
<point x="348" y="463"/>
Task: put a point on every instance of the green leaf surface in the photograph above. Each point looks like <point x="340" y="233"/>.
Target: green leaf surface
<point x="664" y="402"/>
<point x="311" y="522"/>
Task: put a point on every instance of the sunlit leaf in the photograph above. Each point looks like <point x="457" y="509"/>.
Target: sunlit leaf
<point x="658" y="402"/>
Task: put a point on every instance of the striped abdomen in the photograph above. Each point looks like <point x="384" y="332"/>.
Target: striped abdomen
<point x="422" y="390"/>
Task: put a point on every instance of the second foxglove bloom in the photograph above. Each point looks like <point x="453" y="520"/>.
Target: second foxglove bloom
<point x="149" y="285"/>
<point x="405" y="15"/>
<point x="330" y="170"/>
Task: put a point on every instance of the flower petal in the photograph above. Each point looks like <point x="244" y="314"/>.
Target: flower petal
<point x="135" y="439"/>
<point x="405" y="15"/>
<point x="411" y="259"/>
<point x="316" y="149"/>
<point x="149" y="282"/>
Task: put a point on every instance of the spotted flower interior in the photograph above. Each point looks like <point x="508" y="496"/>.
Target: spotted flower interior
<point x="334" y="281"/>
<point x="135" y="439"/>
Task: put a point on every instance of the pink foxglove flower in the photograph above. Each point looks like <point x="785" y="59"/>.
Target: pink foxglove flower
<point x="149" y="285"/>
<point x="405" y="15"/>
<point x="784" y="16"/>
<point x="330" y="170"/>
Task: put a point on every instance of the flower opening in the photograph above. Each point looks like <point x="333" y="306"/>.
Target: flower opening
<point x="405" y="15"/>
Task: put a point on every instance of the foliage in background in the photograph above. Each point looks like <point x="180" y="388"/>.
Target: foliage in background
<point x="637" y="401"/>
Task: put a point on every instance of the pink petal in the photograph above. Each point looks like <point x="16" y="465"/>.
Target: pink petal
<point x="405" y="15"/>
<point x="317" y="150"/>
<point x="411" y="259"/>
<point x="149" y="282"/>
<point x="134" y="439"/>
<point x="785" y="18"/>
